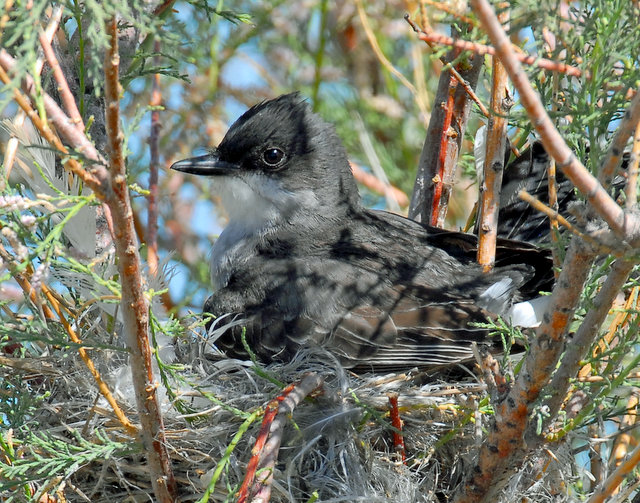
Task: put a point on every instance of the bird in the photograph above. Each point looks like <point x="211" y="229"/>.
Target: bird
<point x="302" y="263"/>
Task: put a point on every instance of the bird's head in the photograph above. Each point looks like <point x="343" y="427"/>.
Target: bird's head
<point x="279" y="160"/>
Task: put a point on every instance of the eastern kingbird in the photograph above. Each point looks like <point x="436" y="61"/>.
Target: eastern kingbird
<point x="302" y="262"/>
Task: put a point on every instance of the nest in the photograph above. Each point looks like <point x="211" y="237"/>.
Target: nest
<point x="337" y="445"/>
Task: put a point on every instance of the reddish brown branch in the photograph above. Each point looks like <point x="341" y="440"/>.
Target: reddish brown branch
<point x="444" y="152"/>
<point x="63" y="87"/>
<point x="396" y="422"/>
<point x="134" y="305"/>
<point x="465" y="45"/>
<point x="256" y="486"/>
<point x="442" y="144"/>
<point x="447" y="66"/>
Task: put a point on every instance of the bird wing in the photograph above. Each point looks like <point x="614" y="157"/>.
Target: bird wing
<point x="418" y="328"/>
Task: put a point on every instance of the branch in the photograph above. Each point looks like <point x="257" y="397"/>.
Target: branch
<point x="554" y="215"/>
<point x="631" y="190"/>
<point x="624" y="130"/>
<point x="12" y="145"/>
<point x="134" y="305"/>
<point x="465" y="45"/>
<point x="376" y="185"/>
<point x="154" y="165"/>
<point x="396" y="423"/>
<point x="256" y="486"/>
<point x="63" y="87"/>
<point x="583" y="340"/>
<point x="443" y="140"/>
<point x="92" y="181"/>
<point x="505" y="447"/>
<point x="489" y="203"/>
<point x="608" y="487"/>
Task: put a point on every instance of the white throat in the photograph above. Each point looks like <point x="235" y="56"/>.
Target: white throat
<point x="255" y="205"/>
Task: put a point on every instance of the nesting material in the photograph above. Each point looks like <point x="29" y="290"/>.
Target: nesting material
<point x="336" y="446"/>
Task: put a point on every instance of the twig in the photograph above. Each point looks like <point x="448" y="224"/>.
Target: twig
<point x="626" y="128"/>
<point x="26" y="286"/>
<point x="102" y="386"/>
<point x="624" y="440"/>
<point x="449" y="116"/>
<point x="63" y="87"/>
<point x="612" y="482"/>
<point x="396" y="423"/>
<point x="501" y="103"/>
<point x="582" y="340"/>
<point x="133" y="305"/>
<point x="74" y="166"/>
<point x="552" y="191"/>
<point x="256" y="486"/>
<point x="497" y="384"/>
<point x="449" y="10"/>
<point x="154" y="165"/>
<point x="619" y="320"/>
<point x="631" y="190"/>
<point x="621" y="224"/>
<point x="448" y="67"/>
<point x="465" y="45"/>
<point x="542" y="208"/>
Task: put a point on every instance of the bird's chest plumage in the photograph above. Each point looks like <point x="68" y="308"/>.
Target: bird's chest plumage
<point x="231" y="251"/>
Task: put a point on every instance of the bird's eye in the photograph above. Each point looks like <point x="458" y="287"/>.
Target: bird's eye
<point x="273" y="156"/>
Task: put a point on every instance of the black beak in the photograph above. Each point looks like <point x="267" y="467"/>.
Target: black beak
<point x="206" y="165"/>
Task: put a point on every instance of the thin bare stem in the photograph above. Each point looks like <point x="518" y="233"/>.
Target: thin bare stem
<point x="134" y="304"/>
<point x="154" y="166"/>
<point x="624" y="130"/>
<point x="449" y="67"/>
<point x="376" y="185"/>
<point x="496" y="143"/>
<point x="609" y="486"/>
<point x="631" y="190"/>
<point x="542" y="208"/>
<point x="465" y="45"/>
<point x="63" y="87"/>
<point x="102" y="385"/>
